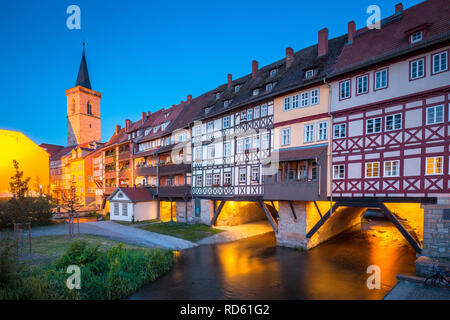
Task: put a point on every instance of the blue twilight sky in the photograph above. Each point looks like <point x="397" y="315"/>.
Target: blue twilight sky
<point x="146" y="55"/>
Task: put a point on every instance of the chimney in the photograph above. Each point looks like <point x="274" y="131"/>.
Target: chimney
<point x="144" y="116"/>
<point x="230" y="80"/>
<point x="323" y="42"/>
<point x="117" y="129"/>
<point x="189" y="98"/>
<point x="398" y="8"/>
<point x="351" y="31"/>
<point x="289" y="57"/>
<point x="127" y="125"/>
<point x="254" y="69"/>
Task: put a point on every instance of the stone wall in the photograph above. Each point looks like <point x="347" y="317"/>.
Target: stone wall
<point x="207" y="211"/>
<point x="184" y="211"/>
<point x="291" y="231"/>
<point x="436" y="236"/>
<point x="239" y="212"/>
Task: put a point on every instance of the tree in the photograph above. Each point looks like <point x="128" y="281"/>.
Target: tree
<point x="71" y="202"/>
<point x="18" y="185"/>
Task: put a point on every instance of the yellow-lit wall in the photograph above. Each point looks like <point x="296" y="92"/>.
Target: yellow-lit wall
<point x="238" y="212"/>
<point x="164" y="211"/>
<point x="33" y="160"/>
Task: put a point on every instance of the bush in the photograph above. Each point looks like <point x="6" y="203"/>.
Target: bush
<point x="7" y="261"/>
<point x="35" y="210"/>
<point x="113" y="274"/>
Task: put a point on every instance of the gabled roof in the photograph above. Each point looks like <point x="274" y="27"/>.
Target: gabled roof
<point x="52" y="149"/>
<point x="83" y="75"/>
<point x="135" y="194"/>
<point x="64" y="151"/>
<point x="284" y="81"/>
<point x="392" y="40"/>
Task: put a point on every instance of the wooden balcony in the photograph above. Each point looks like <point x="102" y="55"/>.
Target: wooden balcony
<point x="173" y="169"/>
<point x="146" y="171"/>
<point x="110" y="174"/>
<point x="174" y="191"/>
<point x="124" y="155"/>
<point x="125" y="173"/>
<point x="110" y="159"/>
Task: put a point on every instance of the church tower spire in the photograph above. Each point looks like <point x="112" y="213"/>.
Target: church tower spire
<point x="83" y="109"/>
<point x="83" y="75"/>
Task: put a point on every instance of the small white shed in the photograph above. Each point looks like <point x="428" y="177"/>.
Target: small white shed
<point x="129" y="203"/>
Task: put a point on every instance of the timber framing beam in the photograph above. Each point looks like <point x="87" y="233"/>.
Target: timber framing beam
<point x="293" y="210"/>
<point x="216" y="213"/>
<point x="269" y="216"/>
<point x="322" y="220"/>
<point x="388" y="214"/>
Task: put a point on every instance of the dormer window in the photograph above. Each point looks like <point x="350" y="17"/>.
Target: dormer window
<point x="416" y="37"/>
<point x="218" y="94"/>
<point x="255" y="92"/>
<point x="226" y="103"/>
<point x="236" y="88"/>
<point x="207" y="110"/>
<point x="269" y="86"/>
<point x="309" y="73"/>
<point x="273" y="72"/>
<point x="167" y="115"/>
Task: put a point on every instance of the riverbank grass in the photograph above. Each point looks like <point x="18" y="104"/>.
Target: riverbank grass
<point x="108" y="269"/>
<point x="186" y="231"/>
<point x="137" y="223"/>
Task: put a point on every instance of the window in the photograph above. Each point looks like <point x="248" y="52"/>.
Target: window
<point x="440" y="62"/>
<point x="264" y="110"/>
<point x="273" y="72"/>
<point x="208" y="179"/>
<point x="211" y="152"/>
<point x="116" y="208"/>
<point x="198" y="153"/>
<point x="435" y="114"/>
<point x="256" y="113"/>
<point x="240" y="146"/>
<point x="304" y="98"/>
<point x="255" y="92"/>
<point x="226" y="149"/>
<point x="198" y="130"/>
<point x="227" y="178"/>
<point x="393" y="122"/>
<point x="417" y="69"/>
<point x="242" y="175"/>
<point x="269" y="86"/>
<point x="124" y="209"/>
<point x="226" y="103"/>
<point x="391" y="168"/>
<point x="362" y="84"/>
<point x="250" y="114"/>
<point x="309" y="133"/>
<point x="255" y="174"/>
<point x="287" y="104"/>
<point x="265" y="141"/>
<point x="247" y="144"/>
<point x="295" y="104"/>
<point x="372" y="170"/>
<point x="216" y="179"/>
<point x="314" y="97"/>
<point x="237" y="88"/>
<point x="373" y="125"/>
<point x="434" y="165"/>
<point x="210" y="126"/>
<point x="285" y="136"/>
<point x="198" y="181"/>
<point x="416" y="37"/>
<point x="322" y="130"/>
<point x="89" y="107"/>
<point x="218" y="94"/>
<point x="339" y="171"/>
<point x="309" y="73"/>
<point x="244" y="116"/>
<point x="256" y="142"/>
<point x="381" y="78"/>
<point x="339" y="131"/>
<point x="344" y="89"/>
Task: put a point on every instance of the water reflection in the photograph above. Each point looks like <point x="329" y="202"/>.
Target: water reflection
<point x="256" y="269"/>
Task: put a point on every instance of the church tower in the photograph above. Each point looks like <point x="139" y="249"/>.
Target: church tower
<point x="83" y="109"/>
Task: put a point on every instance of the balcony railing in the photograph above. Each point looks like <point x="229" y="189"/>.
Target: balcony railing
<point x="290" y="189"/>
<point x="172" y="169"/>
<point x="145" y="171"/>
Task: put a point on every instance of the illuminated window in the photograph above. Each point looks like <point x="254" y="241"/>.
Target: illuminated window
<point x="434" y="165"/>
<point x="372" y="170"/>
<point x="392" y="168"/>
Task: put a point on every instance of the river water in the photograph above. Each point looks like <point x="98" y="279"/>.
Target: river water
<point x="255" y="268"/>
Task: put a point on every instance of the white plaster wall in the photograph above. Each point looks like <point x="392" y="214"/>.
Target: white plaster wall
<point x="146" y="210"/>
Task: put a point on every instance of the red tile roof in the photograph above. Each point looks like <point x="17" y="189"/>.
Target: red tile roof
<point x="374" y="46"/>
<point x="138" y="194"/>
<point x="52" y="149"/>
